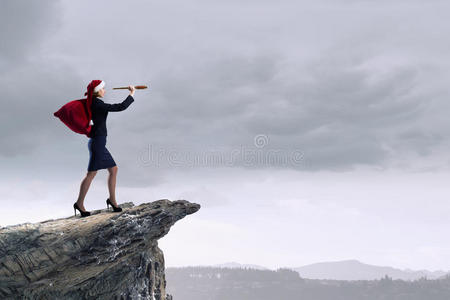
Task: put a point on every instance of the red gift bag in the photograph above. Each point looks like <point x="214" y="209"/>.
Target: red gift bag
<point x="75" y="115"/>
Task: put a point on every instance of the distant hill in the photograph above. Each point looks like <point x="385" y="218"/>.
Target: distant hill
<point x="213" y="283"/>
<point x="355" y="270"/>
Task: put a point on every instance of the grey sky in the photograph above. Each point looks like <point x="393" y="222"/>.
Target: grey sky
<point x="357" y="89"/>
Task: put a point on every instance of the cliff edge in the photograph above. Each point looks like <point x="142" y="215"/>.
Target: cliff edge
<point x="104" y="256"/>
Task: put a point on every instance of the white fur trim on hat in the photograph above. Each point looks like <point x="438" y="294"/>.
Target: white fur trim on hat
<point x="99" y="86"/>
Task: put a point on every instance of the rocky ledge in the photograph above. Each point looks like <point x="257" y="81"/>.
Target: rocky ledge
<point x="103" y="256"/>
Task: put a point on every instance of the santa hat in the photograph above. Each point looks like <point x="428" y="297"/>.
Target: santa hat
<point x="93" y="86"/>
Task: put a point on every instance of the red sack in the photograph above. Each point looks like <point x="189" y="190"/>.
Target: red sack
<point x="75" y="115"/>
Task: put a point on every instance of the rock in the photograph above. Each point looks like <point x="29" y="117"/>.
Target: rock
<point x="103" y="256"/>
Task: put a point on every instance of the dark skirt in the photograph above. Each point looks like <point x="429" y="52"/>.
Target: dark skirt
<point x="99" y="156"/>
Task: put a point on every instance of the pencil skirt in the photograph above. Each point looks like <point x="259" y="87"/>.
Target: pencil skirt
<point x="99" y="156"/>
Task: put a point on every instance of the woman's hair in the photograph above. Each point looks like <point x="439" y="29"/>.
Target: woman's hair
<point x="95" y="94"/>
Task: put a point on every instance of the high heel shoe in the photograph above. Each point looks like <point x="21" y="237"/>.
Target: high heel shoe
<point x="115" y="208"/>
<point x="83" y="213"/>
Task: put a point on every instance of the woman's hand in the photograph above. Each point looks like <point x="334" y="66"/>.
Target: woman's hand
<point x="132" y="89"/>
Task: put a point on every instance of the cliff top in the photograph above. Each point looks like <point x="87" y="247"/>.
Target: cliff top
<point x="102" y="254"/>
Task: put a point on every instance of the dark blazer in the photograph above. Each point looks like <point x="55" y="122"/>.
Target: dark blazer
<point x="100" y="111"/>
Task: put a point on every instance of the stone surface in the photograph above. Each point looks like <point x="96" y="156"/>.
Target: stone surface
<point x="104" y="256"/>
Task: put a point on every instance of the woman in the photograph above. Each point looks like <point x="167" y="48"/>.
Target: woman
<point x="99" y="156"/>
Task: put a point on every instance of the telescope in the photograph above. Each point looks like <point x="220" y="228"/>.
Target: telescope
<point x="138" y="87"/>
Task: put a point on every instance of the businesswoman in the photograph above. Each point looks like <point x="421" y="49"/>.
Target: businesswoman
<point x="99" y="156"/>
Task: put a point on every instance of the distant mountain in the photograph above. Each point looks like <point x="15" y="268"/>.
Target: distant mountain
<point x="235" y="265"/>
<point x="213" y="283"/>
<point x="355" y="270"/>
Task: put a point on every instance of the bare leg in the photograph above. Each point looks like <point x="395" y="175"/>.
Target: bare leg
<point x="84" y="187"/>
<point x="112" y="178"/>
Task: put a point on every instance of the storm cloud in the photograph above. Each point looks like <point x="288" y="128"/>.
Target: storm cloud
<point x="328" y="85"/>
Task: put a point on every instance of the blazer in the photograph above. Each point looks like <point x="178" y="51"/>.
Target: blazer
<point x="100" y="111"/>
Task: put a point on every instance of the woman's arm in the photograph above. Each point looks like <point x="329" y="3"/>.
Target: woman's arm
<point x="116" y="106"/>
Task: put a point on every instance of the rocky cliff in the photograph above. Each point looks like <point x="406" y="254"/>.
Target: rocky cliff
<point x="103" y="256"/>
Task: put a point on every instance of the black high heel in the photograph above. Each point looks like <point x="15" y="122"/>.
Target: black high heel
<point x="116" y="209"/>
<point x="83" y="213"/>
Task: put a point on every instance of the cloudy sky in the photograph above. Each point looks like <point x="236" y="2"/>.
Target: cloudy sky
<point x="308" y="130"/>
